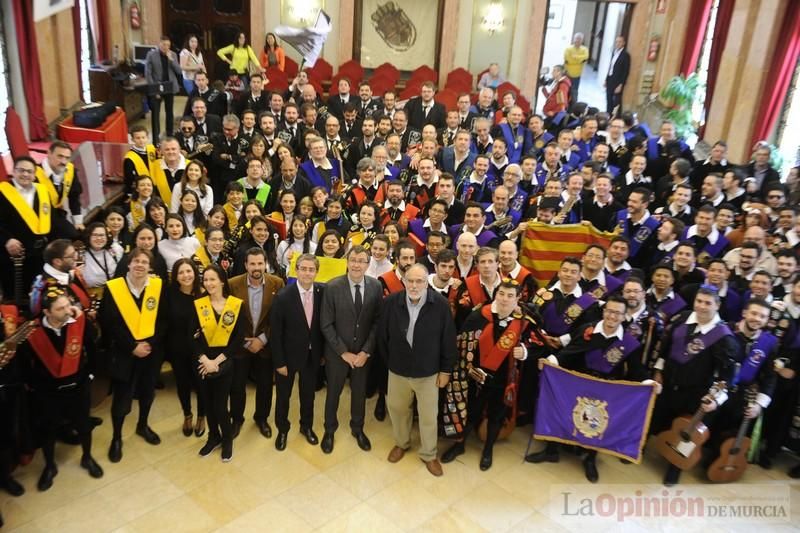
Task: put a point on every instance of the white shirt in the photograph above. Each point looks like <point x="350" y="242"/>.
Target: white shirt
<point x="617" y="332"/>
<point x="206" y="201"/>
<point x="172" y="250"/>
<point x="377" y="268"/>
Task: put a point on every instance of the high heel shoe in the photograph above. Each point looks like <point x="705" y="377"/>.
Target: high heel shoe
<point x="200" y="426"/>
<point x="187" y="425"/>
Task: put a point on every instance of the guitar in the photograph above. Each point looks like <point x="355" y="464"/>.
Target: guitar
<point x="682" y="444"/>
<point x="732" y="460"/>
<point x="204" y="148"/>
<point x="8" y="348"/>
<point x="19" y="262"/>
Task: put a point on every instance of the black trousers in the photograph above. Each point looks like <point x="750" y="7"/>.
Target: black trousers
<point x="187" y="380"/>
<point x="378" y="379"/>
<point x="488" y="400"/>
<point x="675" y="402"/>
<point x="155" y="114"/>
<point x="261" y="367"/>
<point x="10" y="404"/>
<point x="613" y="99"/>
<point x="54" y="406"/>
<point x="216" y="391"/>
<point x="284" y="384"/>
<point x="337" y="370"/>
<point x="778" y="418"/>
<point x="142" y="385"/>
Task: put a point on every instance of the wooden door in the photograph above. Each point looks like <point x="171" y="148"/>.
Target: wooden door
<point x="216" y="24"/>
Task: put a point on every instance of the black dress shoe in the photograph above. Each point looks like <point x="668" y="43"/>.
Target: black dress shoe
<point x="765" y="462"/>
<point x="265" y="429"/>
<point x="362" y="440"/>
<point x="544" y="456"/>
<point x="486" y="460"/>
<point x="95" y="421"/>
<point x="380" y="408"/>
<point x="210" y="445"/>
<point x="236" y="427"/>
<point x="115" y="451"/>
<point x="280" y="442"/>
<point x="12" y="486"/>
<point x="90" y="465"/>
<point x="794" y="473"/>
<point x="46" y="479"/>
<point x="672" y="476"/>
<point x="310" y="436"/>
<point x="149" y="436"/>
<point x="590" y="469"/>
<point x="452" y="452"/>
<point x="227" y="451"/>
<point x="327" y="443"/>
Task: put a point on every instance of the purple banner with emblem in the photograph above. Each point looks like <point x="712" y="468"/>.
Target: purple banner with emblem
<point x="611" y="417"/>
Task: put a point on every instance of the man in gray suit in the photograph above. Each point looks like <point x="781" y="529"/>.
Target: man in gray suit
<point x="350" y="310"/>
<point x="162" y="72"/>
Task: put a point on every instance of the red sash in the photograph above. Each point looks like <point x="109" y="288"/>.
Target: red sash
<point x="80" y="292"/>
<point x="493" y="355"/>
<point x="60" y="365"/>
<point x="475" y="290"/>
<point x="358" y="195"/>
<point x="393" y="283"/>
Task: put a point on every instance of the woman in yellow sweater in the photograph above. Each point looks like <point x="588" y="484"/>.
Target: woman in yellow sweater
<point x="241" y="55"/>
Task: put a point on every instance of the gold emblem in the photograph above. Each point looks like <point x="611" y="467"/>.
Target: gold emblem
<point x="228" y="318"/>
<point x="703" y="258"/>
<point x="539" y="143"/>
<point x="206" y="312"/>
<point x="150" y="303"/>
<point x="507" y="340"/>
<point x="45" y="208"/>
<point x="74" y="348"/>
<point x="614" y="355"/>
<point x="547" y="296"/>
<point x="470" y="356"/>
<point x="590" y="417"/>
<point x="783" y="323"/>
<point x="599" y="292"/>
<point x="574" y="311"/>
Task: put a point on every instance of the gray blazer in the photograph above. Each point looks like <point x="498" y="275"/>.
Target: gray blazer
<point x="343" y="331"/>
<point x="153" y="73"/>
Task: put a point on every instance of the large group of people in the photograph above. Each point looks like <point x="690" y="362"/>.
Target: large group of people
<point x="212" y="262"/>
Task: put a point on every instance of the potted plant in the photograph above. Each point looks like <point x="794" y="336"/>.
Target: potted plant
<point x="678" y="96"/>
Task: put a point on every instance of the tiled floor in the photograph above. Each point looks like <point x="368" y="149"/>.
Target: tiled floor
<point x="170" y="488"/>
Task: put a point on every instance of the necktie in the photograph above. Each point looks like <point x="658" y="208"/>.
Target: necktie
<point x="308" y="307"/>
<point x="291" y="129"/>
<point x="426" y="108"/>
<point x="358" y="301"/>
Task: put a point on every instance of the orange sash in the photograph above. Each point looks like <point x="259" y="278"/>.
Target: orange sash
<point x="393" y="283"/>
<point x="493" y="355"/>
<point x="475" y="289"/>
<point x="60" y="365"/>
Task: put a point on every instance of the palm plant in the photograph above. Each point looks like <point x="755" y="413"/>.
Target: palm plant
<point x="678" y="96"/>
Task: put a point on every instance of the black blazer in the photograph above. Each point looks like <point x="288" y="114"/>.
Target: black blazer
<point x="434" y="347"/>
<point x="620" y="70"/>
<point x="213" y="126"/>
<point x="416" y="116"/>
<point x="343" y="330"/>
<point x="335" y="106"/>
<point x="294" y="344"/>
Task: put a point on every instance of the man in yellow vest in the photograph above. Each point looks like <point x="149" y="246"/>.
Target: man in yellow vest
<point x="139" y="158"/>
<point x="59" y="177"/>
<point x="168" y="170"/>
<point x="575" y="58"/>
<point x="25" y="220"/>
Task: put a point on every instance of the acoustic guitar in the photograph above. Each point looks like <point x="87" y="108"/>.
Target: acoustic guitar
<point x="682" y="444"/>
<point x="8" y="347"/>
<point x="732" y="460"/>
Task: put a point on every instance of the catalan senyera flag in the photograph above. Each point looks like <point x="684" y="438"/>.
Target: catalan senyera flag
<point x="544" y="246"/>
<point x="611" y="417"/>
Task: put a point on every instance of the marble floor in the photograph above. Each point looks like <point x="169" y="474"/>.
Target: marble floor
<point x="170" y="488"/>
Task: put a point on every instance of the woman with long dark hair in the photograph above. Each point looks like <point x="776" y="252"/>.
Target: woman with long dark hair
<point x="195" y="178"/>
<point x="144" y="238"/>
<point x="261" y="236"/>
<point x="298" y="241"/>
<point x="178" y="242"/>
<point x="334" y="219"/>
<point x="99" y="258"/>
<point x="156" y="216"/>
<point x="218" y="329"/>
<point x="181" y="294"/>
<point x="192" y="214"/>
<point x="272" y="55"/>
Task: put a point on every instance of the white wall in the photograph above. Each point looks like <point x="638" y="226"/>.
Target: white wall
<point x="557" y="39"/>
<point x="616" y="13"/>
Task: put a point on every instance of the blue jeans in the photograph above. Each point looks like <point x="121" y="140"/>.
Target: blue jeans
<point x="188" y="85"/>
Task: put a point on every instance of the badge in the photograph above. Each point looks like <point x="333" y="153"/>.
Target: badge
<point x="642" y="234"/>
<point x="462" y="406"/>
<point x="783" y="323"/>
<point x="74" y="348"/>
<point x="206" y="312"/>
<point x="703" y="258"/>
<point x="695" y="347"/>
<point x="539" y="144"/>
<point x="756" y="356"/>
<point x="547" y="296"/>
<point x="574" y="311"/>
<point x="614" y="355"/>
<point x="599" y="292"/>
<point x="228" y="318"/>
<point x="45" y="208"/>
<point x="590" y="417"/>
<point x="459" y="396"/>
<point x="507" y="340"/>
<point x="470" y="356"/>
<point x="150" y="303"/>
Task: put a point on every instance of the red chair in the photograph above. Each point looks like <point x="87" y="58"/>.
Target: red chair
<point x="424" y="73"/>
<point x="277" y="85"/>
<point x="380" y="84"/>
<point x="353" y="70"/>
<point x="411" y="90"/>
<point x="276" y="74"/>
<point x="448" y="98"/>
<point x="291" y="68"/>
<point x="504" y="87"/>
<point x="524" y="104"/>
<point x="459" y="86"/>
<point x="389" y="69"/>
<point x="323" y="70"/>
<point x="17" y="142"/>
<point x="460" y="76"/>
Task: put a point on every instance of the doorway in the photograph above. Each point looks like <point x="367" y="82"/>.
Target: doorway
<point x="216" y="23"/>
<point x="600" y="22"/>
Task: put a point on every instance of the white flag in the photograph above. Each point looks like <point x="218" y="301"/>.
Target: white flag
<point x="308" y="41"/>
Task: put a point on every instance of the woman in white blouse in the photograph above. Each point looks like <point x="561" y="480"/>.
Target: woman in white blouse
<point x="100" y="258"/>
<point x="298" y="242"/>
<point x="178" y="242"/>
<point x="191" y="62"/>
<point x="194" y="179"/>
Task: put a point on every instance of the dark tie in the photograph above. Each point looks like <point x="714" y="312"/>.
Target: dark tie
<point x="425" y="109"/>
<point x="358" y="301"/>
<point x="291" y="129"/>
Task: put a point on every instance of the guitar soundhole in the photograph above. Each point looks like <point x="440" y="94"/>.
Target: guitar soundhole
<point x="685" y="436"/>
<point x="734" y="451"/>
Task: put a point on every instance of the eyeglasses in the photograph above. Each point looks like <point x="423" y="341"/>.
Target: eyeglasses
<point x="611" y="312"/>
<point x="25" y="170"/>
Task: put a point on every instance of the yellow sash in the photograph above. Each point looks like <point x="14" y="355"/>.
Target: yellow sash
<point x="39" y="223"/>
<point x="141" y="322"/>
<point x="202" y="257"/>
<point x="138" y="213"/>
<point x="217" y="334"/>
<point x="138" y="164"/>
<point x="200" y="235"/>
<point x="69" y="176"/>
<point x="230" y="211"/>
<point x="159" y="178"/>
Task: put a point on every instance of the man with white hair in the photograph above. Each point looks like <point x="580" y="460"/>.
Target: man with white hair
<point x="575" y="58"/>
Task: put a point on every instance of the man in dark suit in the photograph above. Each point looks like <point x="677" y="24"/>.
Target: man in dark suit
<point x="424" y="110"/>
<point x="216" y="102"/>
<point x="255" y="99"/>
<point x="618" y="70"/>
<point x="350" y="308"/>
<point x="361" y="147"/>
<point x="297" y="342"/>
<point x="367" y="106"/>
<point x="337" y="102"/>
<point x="257" y="290"/>
<point x="458" y="158"/>
<point x="206" y="125"/>
<point x="162" y="72"/>
<point x="408" y="136"/>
